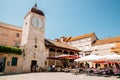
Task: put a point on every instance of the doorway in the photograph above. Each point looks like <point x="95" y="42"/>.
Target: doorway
<point x="33" y="65"/>
<point x="2" y="63"/>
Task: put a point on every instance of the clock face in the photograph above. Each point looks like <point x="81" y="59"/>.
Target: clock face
<point x="37" y="22"/>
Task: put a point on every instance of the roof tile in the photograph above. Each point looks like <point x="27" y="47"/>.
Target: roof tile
<point x="59" y="44"/>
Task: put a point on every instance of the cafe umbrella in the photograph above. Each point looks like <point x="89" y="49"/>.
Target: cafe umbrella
<point x="89" y="58"/>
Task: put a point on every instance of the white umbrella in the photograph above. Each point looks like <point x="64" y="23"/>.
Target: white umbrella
<point x="113" y="57"/>
<point x="110" y="57"/>
<point x="88" y="58"/>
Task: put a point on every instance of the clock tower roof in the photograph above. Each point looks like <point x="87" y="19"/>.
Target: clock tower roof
<point x="36" y="10"/>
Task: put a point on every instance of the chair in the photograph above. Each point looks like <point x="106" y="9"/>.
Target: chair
<point x="97" y="72"/>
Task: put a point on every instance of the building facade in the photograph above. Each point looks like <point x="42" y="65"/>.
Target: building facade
<point x="90" y="44"/>
<point x="83" y="42"/>
<point x="105" y="46"/>
<point x="10" y="35"/>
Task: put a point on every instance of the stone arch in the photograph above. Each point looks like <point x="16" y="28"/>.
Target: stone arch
<point x="71" y="53"/>
<point x="58" y="62"/>
<point x="51" y="52"/>
<point x="52" y="49"/>
<point x="65" y="52"/>
<point x="59" y="52"/>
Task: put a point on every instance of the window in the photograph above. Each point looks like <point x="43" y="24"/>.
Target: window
<point x="95" y="47"/>
<point x="80" y="47"/>
<point x="26" y="23"/>
<point x="111" y="45"/>
<point x="17" y="34"/>
<point x="35" y="46"/>
<point x="45" y="62"/>
<point x="87" y="54"/>
<point x="79" y="41"/>
<point x="14" y="61"/>
<point x="87" y="47"/>
<point x="17" y="44"/>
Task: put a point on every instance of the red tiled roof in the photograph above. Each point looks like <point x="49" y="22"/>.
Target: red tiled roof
<point x="53" y="43"/>
<point x="106" y="41"/>
<point x="82" y="37"/>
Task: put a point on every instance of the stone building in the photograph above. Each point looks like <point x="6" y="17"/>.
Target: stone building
<point x="57" y="48"/>
<point x="31" y="40"/>
<point x="90" y="44"/>
<point x="104" y="46"/>
<point x="10" y="36"/>
<point x="83" y="42"/>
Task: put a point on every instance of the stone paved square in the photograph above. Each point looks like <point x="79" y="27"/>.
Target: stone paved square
<point x="54" y="76"/>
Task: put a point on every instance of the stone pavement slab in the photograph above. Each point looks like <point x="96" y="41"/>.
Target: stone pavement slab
<point x="54" y="76"/>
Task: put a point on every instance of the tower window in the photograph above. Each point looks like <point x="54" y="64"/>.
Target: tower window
<point x="25" y="23"/>
<point x="35" y="46"/>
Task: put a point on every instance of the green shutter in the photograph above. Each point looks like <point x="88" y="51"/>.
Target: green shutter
<point x="14" y="61"/>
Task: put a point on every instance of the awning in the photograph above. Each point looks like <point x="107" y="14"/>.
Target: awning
<point x="64" y="56"/>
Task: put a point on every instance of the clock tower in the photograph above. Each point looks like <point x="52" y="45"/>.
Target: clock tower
<point x="32" y="42"/>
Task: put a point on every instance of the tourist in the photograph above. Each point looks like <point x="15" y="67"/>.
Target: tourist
<point x="33" y="68"/>
<point x="49" y="68"/>
<point x="53" y="68"/>
<point x="37" y="68"/>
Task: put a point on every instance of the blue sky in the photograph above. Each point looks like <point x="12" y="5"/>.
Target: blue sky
<point x="68" y="17"/>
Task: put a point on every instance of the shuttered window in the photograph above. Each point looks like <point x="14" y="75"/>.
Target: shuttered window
<point x="14" y="61"/>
